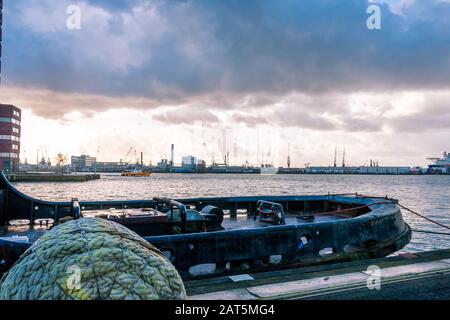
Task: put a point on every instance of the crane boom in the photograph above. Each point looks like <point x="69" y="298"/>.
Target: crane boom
<point x="128" y="153"/>
<point x="211" y="155"/>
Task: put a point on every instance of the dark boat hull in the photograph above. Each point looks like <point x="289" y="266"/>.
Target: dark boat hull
<point x="378" y="232"/>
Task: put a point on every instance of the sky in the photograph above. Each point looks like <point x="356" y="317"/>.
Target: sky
<point x="257" y="79"/>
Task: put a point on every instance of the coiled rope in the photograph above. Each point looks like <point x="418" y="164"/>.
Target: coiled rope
<point x="92" y="259"/>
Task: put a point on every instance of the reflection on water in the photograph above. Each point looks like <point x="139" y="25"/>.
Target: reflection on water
<point x="429" y="195"/>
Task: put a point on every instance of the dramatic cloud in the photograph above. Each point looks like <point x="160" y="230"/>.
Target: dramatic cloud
<point x="172" y="49"/>
<point x="306" y="69"/>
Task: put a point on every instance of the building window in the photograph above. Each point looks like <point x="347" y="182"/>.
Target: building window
<point x="10" y="120"/>
<point x="15" y="147"/>
<point x="15" y="130"/>
<point x="8" y="155"/>
<point x="9" y="138"/>
<point x="16" y="113"/>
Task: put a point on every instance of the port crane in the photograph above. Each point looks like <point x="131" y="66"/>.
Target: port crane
<point x="128" y="154"/>
<point x="289" y="156"/>
<point x="223" y="148"/>
<point x="211" y="155"/>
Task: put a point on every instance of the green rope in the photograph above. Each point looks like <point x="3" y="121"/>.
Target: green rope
<point x="114" y="263"/>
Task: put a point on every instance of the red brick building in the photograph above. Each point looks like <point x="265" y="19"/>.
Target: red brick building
<point x="10" y="117"/>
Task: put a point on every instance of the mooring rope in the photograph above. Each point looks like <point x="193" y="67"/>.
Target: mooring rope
<point x="431" y="232"/>
<point x="108" y="261"/>
<point x="423" y="217"/>
<point x="403" y="207"/>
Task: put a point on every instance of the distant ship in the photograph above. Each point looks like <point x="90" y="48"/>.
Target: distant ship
<point x="135" y="173"/>
<point x="441" y="165"/>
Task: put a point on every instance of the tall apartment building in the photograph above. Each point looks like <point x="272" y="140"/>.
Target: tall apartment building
<point x="1" y="35"/>
<point x="10" y="117"/>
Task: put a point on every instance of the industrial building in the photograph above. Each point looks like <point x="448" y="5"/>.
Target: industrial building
<point x="385" y="170"/>
<point x="10" y="130"/>
<point x="110" y="166"/>
<point x="189" y="164"/>
<point x="359" y="170"/>
<point x="83" y="162"/>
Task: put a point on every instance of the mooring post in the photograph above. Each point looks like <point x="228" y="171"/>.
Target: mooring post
<point x="233" y="212"/>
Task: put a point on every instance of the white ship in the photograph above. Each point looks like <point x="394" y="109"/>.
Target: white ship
<point x="441" y="165"/>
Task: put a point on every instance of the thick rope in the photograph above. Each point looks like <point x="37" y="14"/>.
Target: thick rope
<point x="114" y="263"/>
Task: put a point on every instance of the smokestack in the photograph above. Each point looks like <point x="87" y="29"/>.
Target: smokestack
<point x="343" y="159"/>
<point x="335" y="157"/>
<point x="172" y="154"/>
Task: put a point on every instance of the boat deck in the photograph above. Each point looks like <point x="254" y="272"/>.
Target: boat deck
<point x="244" y="221"/>
<point x="240" y="222"/>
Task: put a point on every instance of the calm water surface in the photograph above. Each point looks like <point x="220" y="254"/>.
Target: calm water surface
<point x="429" y="195"/>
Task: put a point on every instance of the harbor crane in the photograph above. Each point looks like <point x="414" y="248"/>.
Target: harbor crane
<point x="128" y="154"/>
<point x="210" y="155"/>
<point x="225" y="153"/>
<point x="289" y="156"/>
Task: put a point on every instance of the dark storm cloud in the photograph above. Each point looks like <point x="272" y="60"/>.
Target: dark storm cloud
<point x="286" y="63"/>
<point x="172" y="49"/>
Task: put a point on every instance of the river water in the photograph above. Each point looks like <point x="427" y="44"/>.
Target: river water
<point x="429" y="195"/>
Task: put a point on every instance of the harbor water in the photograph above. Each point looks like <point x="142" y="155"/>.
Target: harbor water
<point x="427" y="194"/>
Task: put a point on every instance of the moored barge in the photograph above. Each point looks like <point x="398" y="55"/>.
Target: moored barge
<point x="223" y="235"/>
